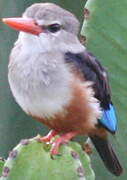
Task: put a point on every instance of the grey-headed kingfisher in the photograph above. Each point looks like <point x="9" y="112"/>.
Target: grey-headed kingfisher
<point x="58" y="82"/>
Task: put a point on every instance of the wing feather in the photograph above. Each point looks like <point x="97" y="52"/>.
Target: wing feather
<point x="93" y="71"/>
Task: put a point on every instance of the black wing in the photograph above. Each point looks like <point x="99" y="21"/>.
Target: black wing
<point x="93" y="71"/>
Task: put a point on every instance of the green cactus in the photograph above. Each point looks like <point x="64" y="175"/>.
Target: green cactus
<point x="31" y="160"/>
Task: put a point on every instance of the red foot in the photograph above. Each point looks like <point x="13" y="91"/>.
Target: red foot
<point x="49" y="136"/>
<point x="61" y="140"/>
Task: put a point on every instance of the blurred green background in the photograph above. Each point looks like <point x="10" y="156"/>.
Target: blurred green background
<point x="105" y="38"/>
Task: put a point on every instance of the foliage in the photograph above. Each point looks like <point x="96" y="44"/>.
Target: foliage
<point x="1" y="165"/>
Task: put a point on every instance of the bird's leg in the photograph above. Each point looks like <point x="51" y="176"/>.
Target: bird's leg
<point x="61" y="140"/>
<point x="48" y="137"/>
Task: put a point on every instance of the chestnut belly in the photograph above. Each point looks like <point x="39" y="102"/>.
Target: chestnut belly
<point x="80" y="115"/>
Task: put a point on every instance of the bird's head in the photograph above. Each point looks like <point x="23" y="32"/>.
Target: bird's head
<point x="46" y="23"/>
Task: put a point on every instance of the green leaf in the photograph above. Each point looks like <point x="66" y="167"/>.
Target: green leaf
<point x="1" y="165"/>
<point x="105" y="29"/>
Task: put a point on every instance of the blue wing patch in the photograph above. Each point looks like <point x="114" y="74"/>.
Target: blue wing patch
<point x="109" y="120"/>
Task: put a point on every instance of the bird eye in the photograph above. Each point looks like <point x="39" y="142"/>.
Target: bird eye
<point x="54" y="27"/>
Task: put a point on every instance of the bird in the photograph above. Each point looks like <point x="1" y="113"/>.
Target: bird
<point x="58" y="82"/>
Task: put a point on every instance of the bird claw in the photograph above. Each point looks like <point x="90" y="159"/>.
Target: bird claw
<point x="63" y="139"/>
<point x="48" y="137"/>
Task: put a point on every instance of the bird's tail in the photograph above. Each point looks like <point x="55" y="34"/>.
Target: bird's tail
<point x="107" y="154"/>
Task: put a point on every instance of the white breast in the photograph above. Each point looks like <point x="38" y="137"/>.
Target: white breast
<point x="39" y="82"/>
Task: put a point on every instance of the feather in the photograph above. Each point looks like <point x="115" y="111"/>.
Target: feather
<point x="107" y="154"/>
<point x="109" y="120"/>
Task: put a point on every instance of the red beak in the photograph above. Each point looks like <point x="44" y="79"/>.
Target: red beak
<point x="23" y="24"/>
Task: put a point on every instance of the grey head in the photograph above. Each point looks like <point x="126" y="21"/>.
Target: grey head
<point x="47" y="14"/>
<point x="59" y="29"/>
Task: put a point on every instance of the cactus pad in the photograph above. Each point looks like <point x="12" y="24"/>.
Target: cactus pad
<point x="31" y="160"/>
